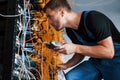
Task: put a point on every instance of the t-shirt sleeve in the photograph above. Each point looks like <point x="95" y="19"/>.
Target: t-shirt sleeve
<point x="99" y="25"/>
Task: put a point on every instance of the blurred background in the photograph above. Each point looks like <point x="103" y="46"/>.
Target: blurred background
<point x="109" y="7"/>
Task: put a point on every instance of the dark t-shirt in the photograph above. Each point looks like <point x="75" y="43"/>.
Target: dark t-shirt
<point x="98" y="24"/>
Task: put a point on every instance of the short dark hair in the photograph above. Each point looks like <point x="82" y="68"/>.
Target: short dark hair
<point x="53" y="4"/>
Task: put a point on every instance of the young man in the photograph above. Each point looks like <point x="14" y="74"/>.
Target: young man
<point x="93" y="34"/>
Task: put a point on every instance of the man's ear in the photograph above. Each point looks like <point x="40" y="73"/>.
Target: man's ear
<point x="62" y="11"/>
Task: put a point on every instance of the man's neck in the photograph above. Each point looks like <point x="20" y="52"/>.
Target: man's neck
<point x="73" y="20"/>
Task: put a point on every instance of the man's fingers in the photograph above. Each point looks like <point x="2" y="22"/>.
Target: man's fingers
<point x="63" y="43"/>
<point x="61" y="66"/>
<point x="57" y="48"/>
<point x="60" y="50"/>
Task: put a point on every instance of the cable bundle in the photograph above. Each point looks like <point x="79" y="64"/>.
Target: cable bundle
<point x="33" y="60"/>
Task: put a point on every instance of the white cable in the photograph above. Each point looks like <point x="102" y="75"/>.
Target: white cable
<point x="20" y="11"/>
<point x="31" y="75"/>
<point x="61" y="75"/>
<point x="11" y="15"/>
<point x="36" y="71"/>
<point x="24" y="63"/>
<point x="24" y="71"/>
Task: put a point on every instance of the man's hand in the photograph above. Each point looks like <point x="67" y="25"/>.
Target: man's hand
<point x="66" y="48"/>
<point x="62" y="66"/>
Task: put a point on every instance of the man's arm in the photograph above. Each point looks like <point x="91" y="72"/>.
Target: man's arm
<point x="103" y="49"/>
<point x="73" y="61"/>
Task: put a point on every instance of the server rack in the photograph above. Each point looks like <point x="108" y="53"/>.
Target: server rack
<point x="7" y="38"/>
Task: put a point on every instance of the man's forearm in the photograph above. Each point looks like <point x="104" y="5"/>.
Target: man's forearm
<point x="74" y="60"/>
<point x="94" y="51"/>
<point x="104" y="49"/>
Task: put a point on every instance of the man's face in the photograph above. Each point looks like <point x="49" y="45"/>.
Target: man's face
<point x="54" y="18"/>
